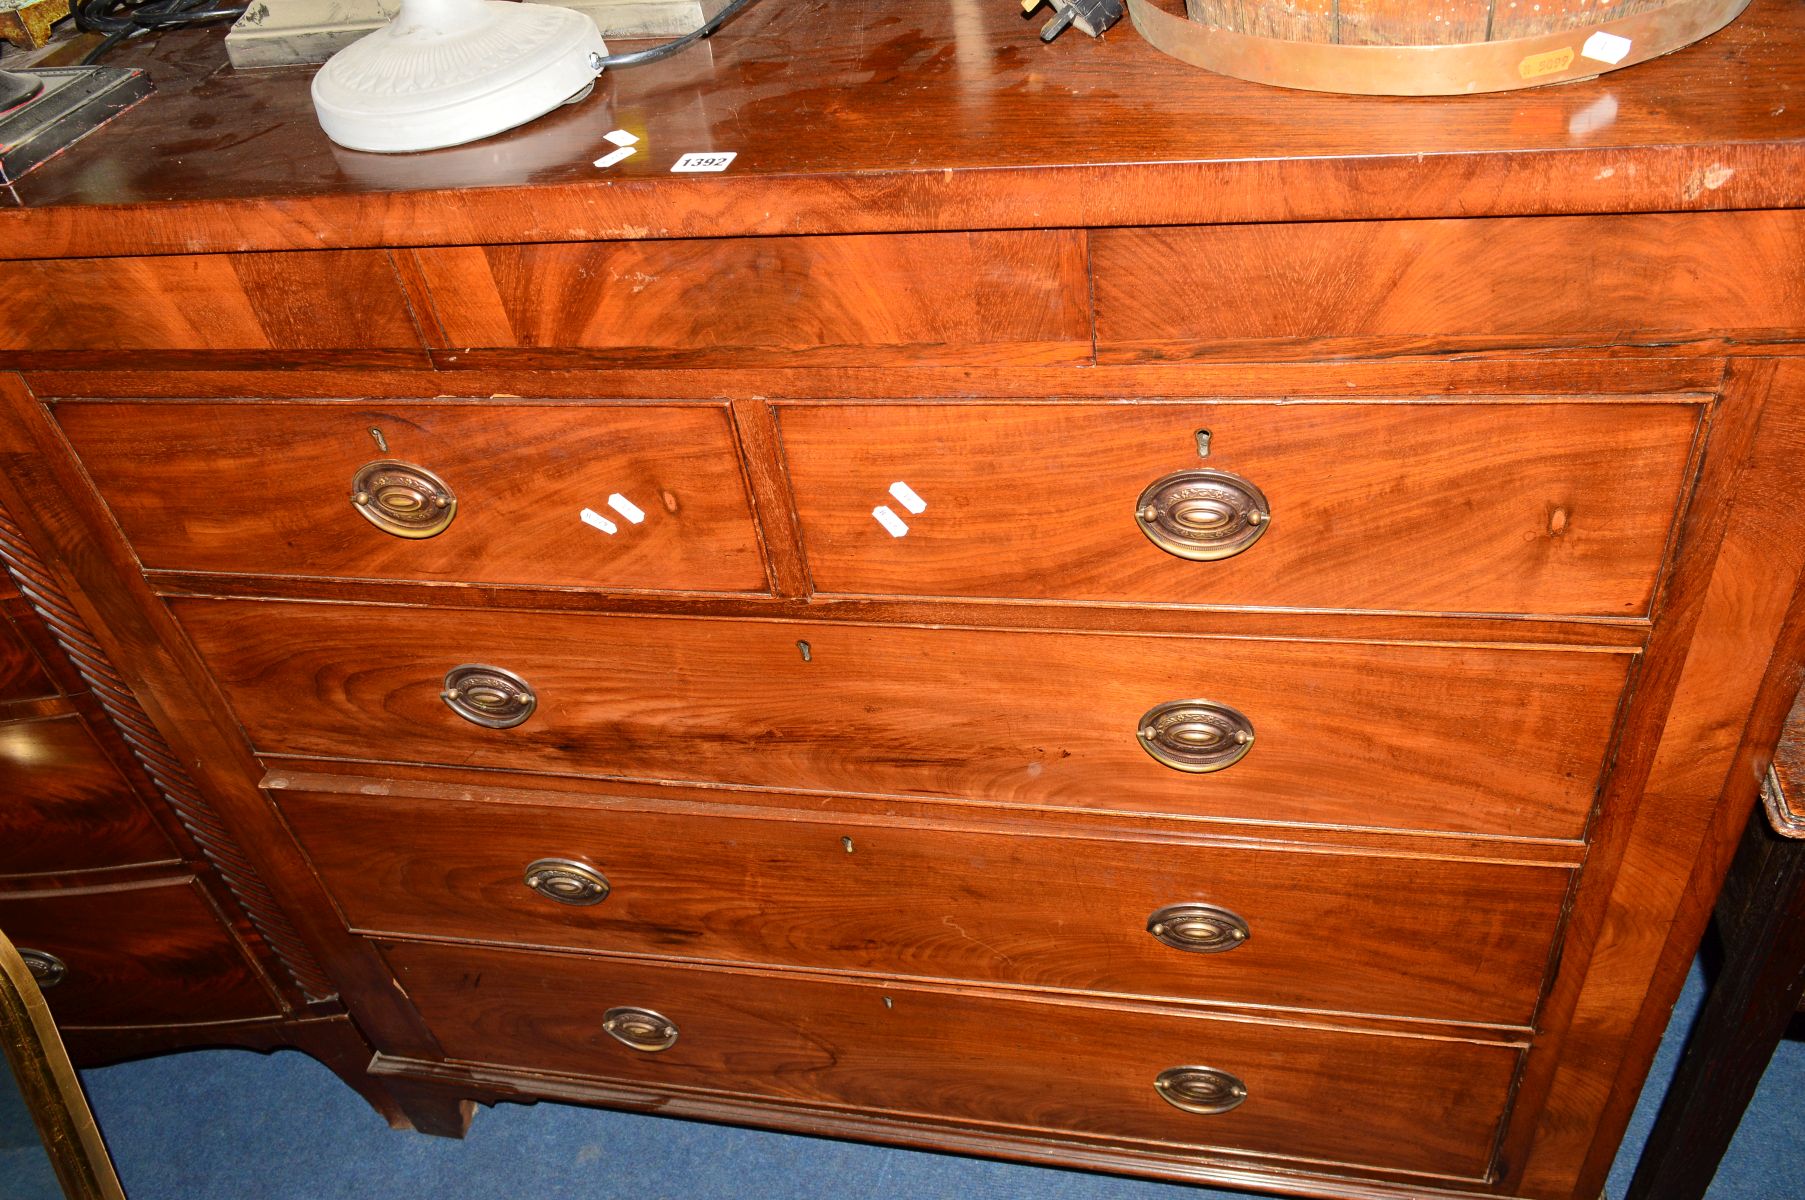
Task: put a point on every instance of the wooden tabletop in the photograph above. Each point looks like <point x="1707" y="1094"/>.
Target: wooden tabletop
<point x="858" y="115"/>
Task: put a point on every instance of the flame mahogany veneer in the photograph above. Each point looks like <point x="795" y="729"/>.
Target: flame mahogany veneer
<point x="832" y="553"/>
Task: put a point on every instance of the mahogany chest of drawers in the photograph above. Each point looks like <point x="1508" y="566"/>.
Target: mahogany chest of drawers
<point x="1238" y="656"/>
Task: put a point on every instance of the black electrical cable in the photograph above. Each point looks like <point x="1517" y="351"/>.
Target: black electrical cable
<point x="634" y="58"/>
<point x="122" y="19"/>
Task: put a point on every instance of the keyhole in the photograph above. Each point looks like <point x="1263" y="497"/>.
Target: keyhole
<point x="804" y="647"/>
<point x="1203" y="443"/>
<point x="382" y="443"/>
<point x="847" y="843"/>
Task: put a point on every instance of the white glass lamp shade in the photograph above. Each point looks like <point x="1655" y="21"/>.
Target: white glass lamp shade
<point x="444" y="72"/>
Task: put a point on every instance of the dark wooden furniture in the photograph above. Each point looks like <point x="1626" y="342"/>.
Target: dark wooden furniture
<point x="1760" y="926"/>
<point x="1230" y="639"/>
<point x="133" y="905"/>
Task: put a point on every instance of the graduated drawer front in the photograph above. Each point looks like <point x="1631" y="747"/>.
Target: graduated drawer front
<point x="139" y="954"/>
<point x="65" y="807"/>
<point x="1398" y="936"/>
<point x="911" y="299"/>
<point x="267" y="488"/>
<point x="1321" y="1094"/>
<point x="1470" y="738"/>
<point x="1560" y="508"/>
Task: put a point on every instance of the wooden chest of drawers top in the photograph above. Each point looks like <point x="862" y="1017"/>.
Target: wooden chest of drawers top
<point x="942" y="116"/>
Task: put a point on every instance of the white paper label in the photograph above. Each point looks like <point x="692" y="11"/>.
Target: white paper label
<point x="889" y="520"/>
<point x="1606" y="48"/>
<point x="620" y="137"/>
<point x="905" y="496"/>
<point x="591" y="517"/>
<point x="626" y="508"/>
<point x="614" y="156"/>
<point x="705" y="160"/>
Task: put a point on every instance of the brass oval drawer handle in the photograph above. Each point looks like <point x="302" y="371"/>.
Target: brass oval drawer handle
<point x="1203" y="1090"/>
<point x="488" y="696"/>
<point x="1200" y="928"/>
<point x="1196" y="735"/>
<point x="567" y="881"/>
<point x="1202" y="514"/>
<point x="402" y="499"/>
<point x="640" y="1028"/>
<point x="46" y="968"/>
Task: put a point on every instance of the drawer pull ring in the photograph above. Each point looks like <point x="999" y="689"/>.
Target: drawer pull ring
<point x="402" y="499"/>
<point x="567" y="881"/>
<point x="1200" y="928"/>
<point x="46" y="968"/>
<point x="1195" y="735"/>
<point x="488" y="696"/>
<point x="1202" y="514"/>
<point x="640" y="1028"/>
<point x="1203" y="1090"/>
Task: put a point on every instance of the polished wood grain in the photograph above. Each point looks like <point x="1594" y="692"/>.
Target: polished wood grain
<point x="1424" y="1105"/>
<point x="1623" y="371"/>
<point x="929" y="116"/>
<point x="522" y="473"/>
<point x="1355" y="288"/>
<point x="1669" y="821"/>
<point x="1483" y="739"/>
<point x="88" y="311"/>
<point x="140" y="955"/>
<point x="463" y="785"/>
<point x="65" y="807"/>
<point x="946" y="298"/>
<point x="1033" y="907"/>
<point x="1335" y="624"/>
<point x="1189" y="1164"/>
<point x="1562" y="508"/>
<point x="21" y="674"/>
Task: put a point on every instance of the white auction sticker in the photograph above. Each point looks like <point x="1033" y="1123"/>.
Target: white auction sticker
<point x="705" y="160"/>
<point x="1606" y="48"/>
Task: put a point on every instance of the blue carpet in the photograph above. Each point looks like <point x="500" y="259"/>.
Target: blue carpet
<point x="225" y="1123"/>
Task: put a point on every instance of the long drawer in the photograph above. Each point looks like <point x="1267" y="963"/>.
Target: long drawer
<point x="1404" y="936"/>
<point x="1386" y="1100"/>
<point x="1463" y="738"/>
<point x="1549" y="507"/>
<point x="628" y="496"/>
<point x="143" y="954"/>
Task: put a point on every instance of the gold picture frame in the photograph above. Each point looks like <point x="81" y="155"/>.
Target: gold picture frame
<point x="46" y="1078"/>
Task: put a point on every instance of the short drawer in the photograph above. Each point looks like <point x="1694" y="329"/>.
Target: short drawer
<point x="908" y="299"/>
<point x="1402" y="936"/>
<point x="1332" y="1095"/>
<point x="631" y="496"/>
<point x="1543" y="507"/>
<point x="253" y="309"/>
<point x="1364" y="288"/>
<point x="143" y="954"/>
<point x="65" y="807"/>
<point x="1468" y="738"/>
